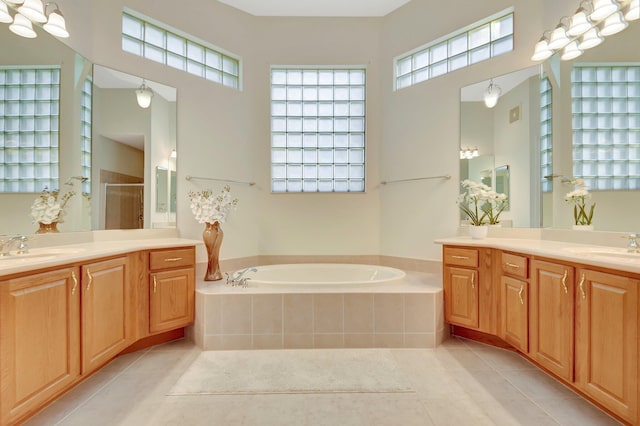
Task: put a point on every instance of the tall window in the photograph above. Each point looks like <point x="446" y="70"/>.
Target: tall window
<point x="546" y="134"/>
<point x="606" y="125"/>
<point x="480" y="41"/>
<point x="317" y="130"/>
<point x="29" y="110"/>
<point x="171" y="47"/>
<point x="85" y="133"/>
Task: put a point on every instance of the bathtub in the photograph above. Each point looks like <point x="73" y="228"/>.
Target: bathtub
<point x="319" y="276"/>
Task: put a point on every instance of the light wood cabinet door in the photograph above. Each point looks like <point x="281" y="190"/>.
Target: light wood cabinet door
<point x="461" y="296"/>
<point x="39" y="340"/>
<point x="514" y="313"/>
<point x="551" y="317"/>
<point x="607" y="340"/>
<point x="107" y="324"/>
<point x="171" y="299"/>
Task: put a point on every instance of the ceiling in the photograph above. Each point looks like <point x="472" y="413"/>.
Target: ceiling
<point x="334" y="8"/>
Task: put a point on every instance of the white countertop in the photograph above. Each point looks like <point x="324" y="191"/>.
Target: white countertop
<point x="45" y="257"/>
<point x="588" y="254"/>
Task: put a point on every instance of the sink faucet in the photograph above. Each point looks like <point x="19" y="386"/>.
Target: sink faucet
<point x="5" y="245"/>
<point x="238" y="279"/>
<point x="632" y="246"/>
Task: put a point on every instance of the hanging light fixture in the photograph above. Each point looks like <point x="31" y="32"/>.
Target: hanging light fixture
<point x="174" y="153"/>
<point x="587" y="27"/>
<point x="144" y="95"/>
<point x="28" y="12"/>
<point x="603" y="8"/>
<point x="591" y="38"/>
<point x="613" y="24"/>
<point x="468" y="153"/>
<point x="632" y="11"/>
<point x="492" y="94"/>
<point x="571" y="51"/>
<point x="22" y="26"/>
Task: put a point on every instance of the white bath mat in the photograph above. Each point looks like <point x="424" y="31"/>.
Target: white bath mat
<point x="292" y="371"/>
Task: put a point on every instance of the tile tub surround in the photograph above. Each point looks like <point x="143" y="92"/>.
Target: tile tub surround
<point x="406" y="315"/>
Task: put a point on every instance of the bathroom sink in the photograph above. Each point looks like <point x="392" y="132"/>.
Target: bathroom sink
<point x="612" y="253"/>
<point x="38" y="255"/>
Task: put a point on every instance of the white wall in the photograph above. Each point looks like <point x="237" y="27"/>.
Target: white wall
<point x="410" y="133"/>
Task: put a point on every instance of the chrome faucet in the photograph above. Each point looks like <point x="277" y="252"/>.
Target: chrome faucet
<point x="5" y="245"/>
<point x="632" y="246"/>
<point x="238" y="279"/>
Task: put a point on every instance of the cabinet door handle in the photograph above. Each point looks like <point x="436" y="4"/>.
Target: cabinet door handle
<point x="90" y="279"/>
<point x="461" y="257"/>
<point x="473" y="280"/>
<point x="520" y="294"/>
<point x="581" y="285"/>
<point x="155" y="284"/>
<point x="75" y="283"/>
<point x="172" y="259"/>
<point x="564" y="282"/>
<point x="512" y="265"/>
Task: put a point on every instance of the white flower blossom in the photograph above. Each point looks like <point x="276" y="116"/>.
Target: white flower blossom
<point x="208" y="209"/>
<point x="49" y="206"/>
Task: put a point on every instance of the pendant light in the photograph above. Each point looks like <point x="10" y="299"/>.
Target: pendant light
<point x="632" y="12"/>
<point x="603" y="8"/>
<point x="492" y="94"/>
<point x="579" y="23"/>
<point x="541" y="50"/>
<point x="56" y="24"/>
<point x="571" y="51"/>
<point x="4" y="13"/>
<point x="613" y="24"/>
<point x="144" y="95"/>
<point x="591" y="38"/>
<point x="559" y="37"/>
<point x="22" y="26"/>
<point x="34" y="10"/>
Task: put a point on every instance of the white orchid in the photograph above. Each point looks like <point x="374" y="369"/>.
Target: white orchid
<point x="209" y="209"/>
<point x="481" y="203"/>
<point x="578" y="197"/>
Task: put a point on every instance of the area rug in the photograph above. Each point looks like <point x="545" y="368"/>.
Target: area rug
<point x="292" y="371"/>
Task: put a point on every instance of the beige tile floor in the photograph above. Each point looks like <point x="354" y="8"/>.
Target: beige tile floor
<point x="458" y="383"/>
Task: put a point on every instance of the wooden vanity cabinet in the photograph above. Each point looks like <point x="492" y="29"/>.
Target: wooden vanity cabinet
<point x="551" y="317"/>
<point x="39" y="340"/>
<point x="171" y="288"/>
<point x="470" y="299"/>
<point x="514" y="300"/>
<point x="607" y="340"/>
<point x="107" y="311"/>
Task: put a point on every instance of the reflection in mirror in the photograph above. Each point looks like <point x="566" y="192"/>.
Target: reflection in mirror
<point x="165" y="190"/>
<point x="502" y="183"/>
<point x="131" y="144"/>
<point x="505" y="134"/>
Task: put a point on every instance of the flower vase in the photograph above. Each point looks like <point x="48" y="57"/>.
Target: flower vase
<point x="582" y="227"/>
<point x="478" y="232"/>
<point x="212" y="237"/>
<point x="47" y="228"/>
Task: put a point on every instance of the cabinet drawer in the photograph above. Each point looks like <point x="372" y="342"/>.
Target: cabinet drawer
<point x="461" y="257"/>
<point x="172" y="258"/>
<point x="516" y="265"/>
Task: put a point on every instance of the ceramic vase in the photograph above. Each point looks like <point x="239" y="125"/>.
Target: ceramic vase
<point x="47" y="228"/>
<point x="582" y="227"/>
<point x="478" y="232"/>
<point x="212" y="237"/>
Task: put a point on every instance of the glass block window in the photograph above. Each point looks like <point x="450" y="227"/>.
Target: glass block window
<point x="85" y="133"/>
<point x="171" y="47"/>
<point x="546" y="134"/>
<point x="480" y="41"/>
<point x="29" y="111"/>
<point x="317" y="130"/>
<point x="606" y="125"/>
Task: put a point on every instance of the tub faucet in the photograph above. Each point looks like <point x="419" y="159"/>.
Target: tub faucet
<point x="238" y="279"/>
<point x="5" y="245"/>
<point x="632" y="246"/>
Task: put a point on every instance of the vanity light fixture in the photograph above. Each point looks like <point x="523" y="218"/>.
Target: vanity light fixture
<point x="28" y="12"/>
<point x="492" y="94"/>
<point x="586" y="28"/>
<point x="144" y="95"/>
<point x="468" y="153"/>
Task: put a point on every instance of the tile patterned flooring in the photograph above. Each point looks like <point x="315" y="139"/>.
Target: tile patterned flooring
<point x="459" y="383"/>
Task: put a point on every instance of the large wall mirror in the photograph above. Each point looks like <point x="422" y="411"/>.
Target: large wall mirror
<point x="532" y="130"/>
<point x="71" y="126"/>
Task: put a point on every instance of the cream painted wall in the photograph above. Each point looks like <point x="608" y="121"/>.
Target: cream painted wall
<point x="410" y="133"/>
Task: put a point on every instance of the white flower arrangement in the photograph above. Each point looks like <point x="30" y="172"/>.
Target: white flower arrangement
<point x="579" y="197"/>
<point x="49" y="206"/>
<point x="208" y="208"/>
<point x="481" y="204"/>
